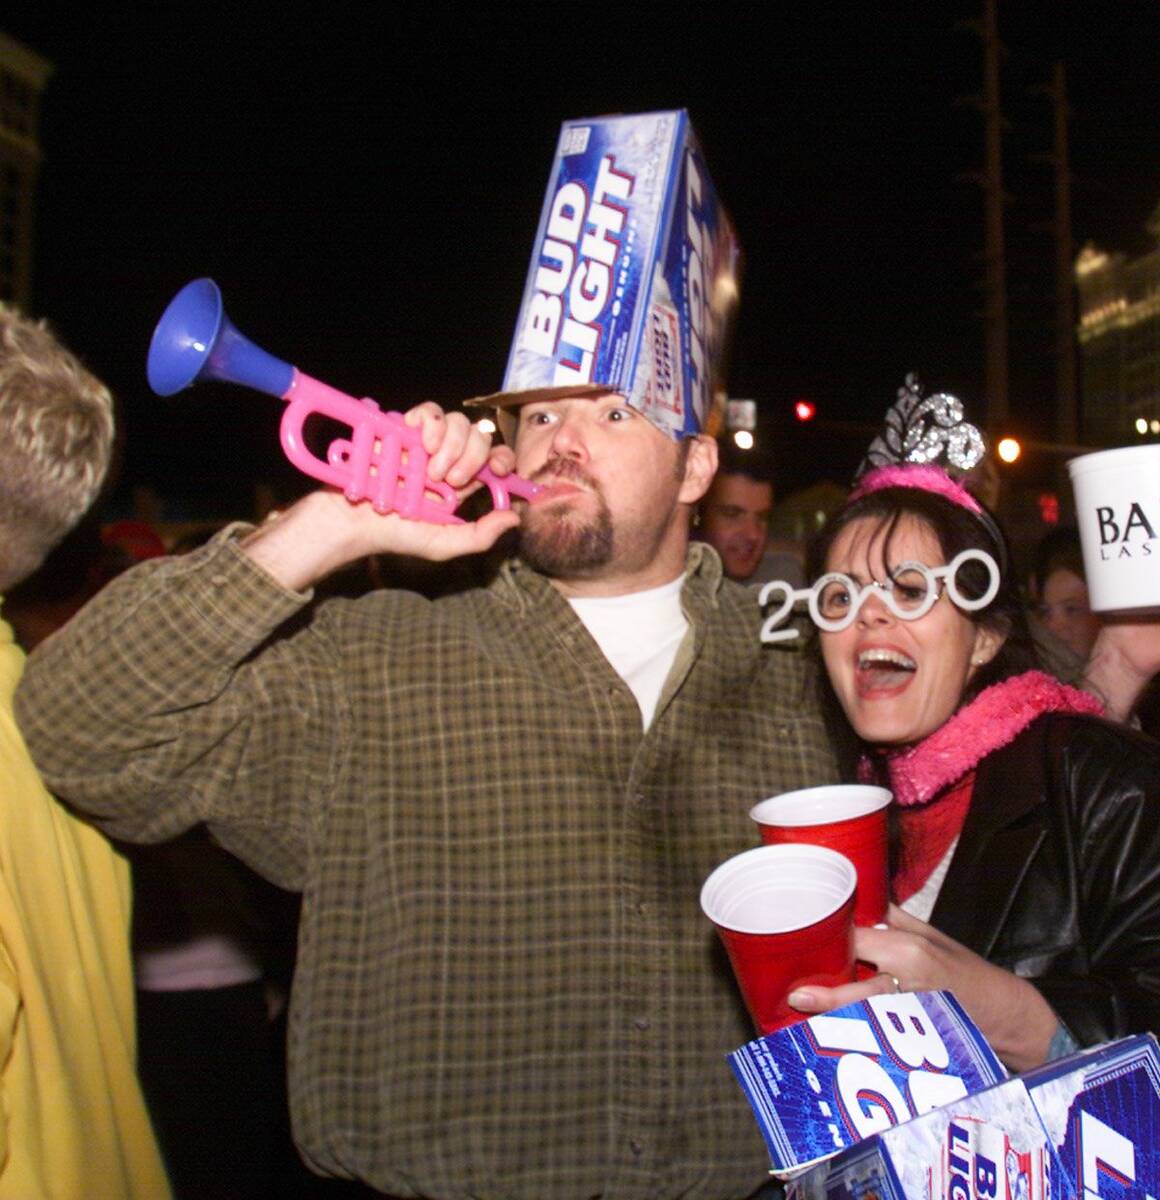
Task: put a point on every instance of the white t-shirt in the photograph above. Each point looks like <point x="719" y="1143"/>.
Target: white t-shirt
<point x="639" y="634"/>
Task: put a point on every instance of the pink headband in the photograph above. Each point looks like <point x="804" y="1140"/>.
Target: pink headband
<point x="916" y="475"/>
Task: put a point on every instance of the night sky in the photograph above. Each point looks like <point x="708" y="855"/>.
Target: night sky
<point x="365" y="184"/>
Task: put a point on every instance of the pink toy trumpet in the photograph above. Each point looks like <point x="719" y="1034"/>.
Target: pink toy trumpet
<point x="382" y="461"/>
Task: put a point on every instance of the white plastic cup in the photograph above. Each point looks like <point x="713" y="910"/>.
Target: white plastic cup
<point x="1117" y="504"/>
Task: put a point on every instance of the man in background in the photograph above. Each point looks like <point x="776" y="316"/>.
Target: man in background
<point x="734" y="518"/>
<point x="72" y="1120"/>
<point x="734" y="515"/>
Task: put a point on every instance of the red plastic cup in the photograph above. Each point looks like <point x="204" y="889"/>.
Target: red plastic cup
<point x="847" y="817"/>
<point x="785" y="915"/>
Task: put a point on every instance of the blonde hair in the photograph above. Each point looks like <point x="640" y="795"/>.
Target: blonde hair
<point x="56" y="440"/>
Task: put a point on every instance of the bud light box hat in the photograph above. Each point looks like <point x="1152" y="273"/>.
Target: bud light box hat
<point x="633" y="282"/>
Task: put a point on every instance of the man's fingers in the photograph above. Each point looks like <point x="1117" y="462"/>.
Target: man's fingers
<point x="441" y="542"/>
<point x="461" y="453"/>
<point x="456" y="449"/>
<point x="428" y="418"/>
<point x="502" y="459"/>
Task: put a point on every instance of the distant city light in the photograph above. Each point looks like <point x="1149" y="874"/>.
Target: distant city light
<point x="1049" y="508"/>
<point x="740" y="414"/>
<point x="743" y="439"/>
<point x="804" y="410"/>
<point x="1009" y="449"/>
<point x="1141" y="425"/>
<point x="1090" y="259"/>
<point x="485" y="425"/>
<point x="1155" y="426"/>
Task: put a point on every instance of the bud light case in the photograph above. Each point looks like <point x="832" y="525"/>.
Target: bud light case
<point x="989" y="1146"/>
<point x="633" y="282"/>
<point x="825" y="1083"/>
<point x="1083" y="1126"/>
<point x="1101" y="1110"/>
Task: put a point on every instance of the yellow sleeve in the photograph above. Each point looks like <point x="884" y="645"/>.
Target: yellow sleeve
<point x="9" y="1011"/>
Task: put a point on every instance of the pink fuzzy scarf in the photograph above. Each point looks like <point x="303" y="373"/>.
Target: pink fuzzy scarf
<point x="993" y="719"/>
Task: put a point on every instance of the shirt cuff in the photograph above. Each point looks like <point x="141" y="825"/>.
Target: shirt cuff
<point x="1062" y="1044"/>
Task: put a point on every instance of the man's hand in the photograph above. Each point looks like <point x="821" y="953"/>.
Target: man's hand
<point x="1125" y="657"/>
<point x="1013" y="1016"/>
<point x="324" y="531"/>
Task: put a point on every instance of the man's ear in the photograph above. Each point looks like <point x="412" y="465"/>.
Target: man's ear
<point x="700" y="467"/>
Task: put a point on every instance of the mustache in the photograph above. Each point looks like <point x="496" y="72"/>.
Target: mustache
<point x="566" y="470"/>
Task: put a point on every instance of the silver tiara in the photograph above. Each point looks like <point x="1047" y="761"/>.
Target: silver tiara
<point x="930" y="430"/>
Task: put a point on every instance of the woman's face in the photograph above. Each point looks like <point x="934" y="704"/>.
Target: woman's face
<point x="898" y="681"/>
<point x="1065" y="610"/>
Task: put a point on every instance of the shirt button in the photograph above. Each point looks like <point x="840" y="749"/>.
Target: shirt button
<point x="642" y="1023"/>
<point x="636" y="1146"/>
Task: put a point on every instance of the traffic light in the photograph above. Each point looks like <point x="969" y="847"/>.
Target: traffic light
<point x="804" y="410"/>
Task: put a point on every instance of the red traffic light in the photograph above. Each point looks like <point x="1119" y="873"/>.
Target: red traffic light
<point x="804" y="410"/>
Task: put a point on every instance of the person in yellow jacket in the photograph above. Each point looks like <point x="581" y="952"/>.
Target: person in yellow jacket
<point x="73" y="1122"/>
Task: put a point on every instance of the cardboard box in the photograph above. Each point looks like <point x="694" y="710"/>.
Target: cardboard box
<point x="989" y="1146"/>
<point x="1086" y="1126"/>
<point x="828" y="1082"/>
<point x="634" y="272"/>
<point x="1101" y="1110"/>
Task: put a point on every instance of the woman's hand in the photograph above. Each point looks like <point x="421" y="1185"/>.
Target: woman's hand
<point x="1012" y="1015"/>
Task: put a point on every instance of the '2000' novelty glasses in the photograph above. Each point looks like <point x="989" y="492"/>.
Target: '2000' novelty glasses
<point x="835" y="599"/>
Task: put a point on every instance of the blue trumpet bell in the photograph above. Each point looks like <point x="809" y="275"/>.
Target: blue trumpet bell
<point x="195" y="340"/>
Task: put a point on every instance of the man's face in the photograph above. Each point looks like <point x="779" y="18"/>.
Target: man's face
<point x="735" y="522"/>
<point x="613" y="489"/>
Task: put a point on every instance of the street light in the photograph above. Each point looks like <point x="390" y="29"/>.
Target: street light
<point x="1008" y="449"/>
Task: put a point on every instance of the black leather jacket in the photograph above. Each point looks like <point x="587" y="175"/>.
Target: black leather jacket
<point x="1057" y="872"/>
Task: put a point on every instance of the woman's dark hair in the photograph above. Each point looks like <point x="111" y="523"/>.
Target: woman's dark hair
<point x="1060" y="550"/>
<point x="956" y="529"/>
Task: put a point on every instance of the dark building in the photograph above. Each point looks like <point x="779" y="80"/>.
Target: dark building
<point x="23" y="75"/>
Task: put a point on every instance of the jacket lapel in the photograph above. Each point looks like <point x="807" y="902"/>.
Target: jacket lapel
<point x="1005" y="825"/>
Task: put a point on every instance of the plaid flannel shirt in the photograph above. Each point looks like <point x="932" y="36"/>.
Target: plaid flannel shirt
<point x="505" y="986"/>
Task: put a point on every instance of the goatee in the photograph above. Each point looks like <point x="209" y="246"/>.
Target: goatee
<point x="563" y="546"/>
<point x="559" y="542"/>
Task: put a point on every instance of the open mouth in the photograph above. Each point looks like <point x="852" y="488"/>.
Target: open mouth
<point x="882" y="669"/>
